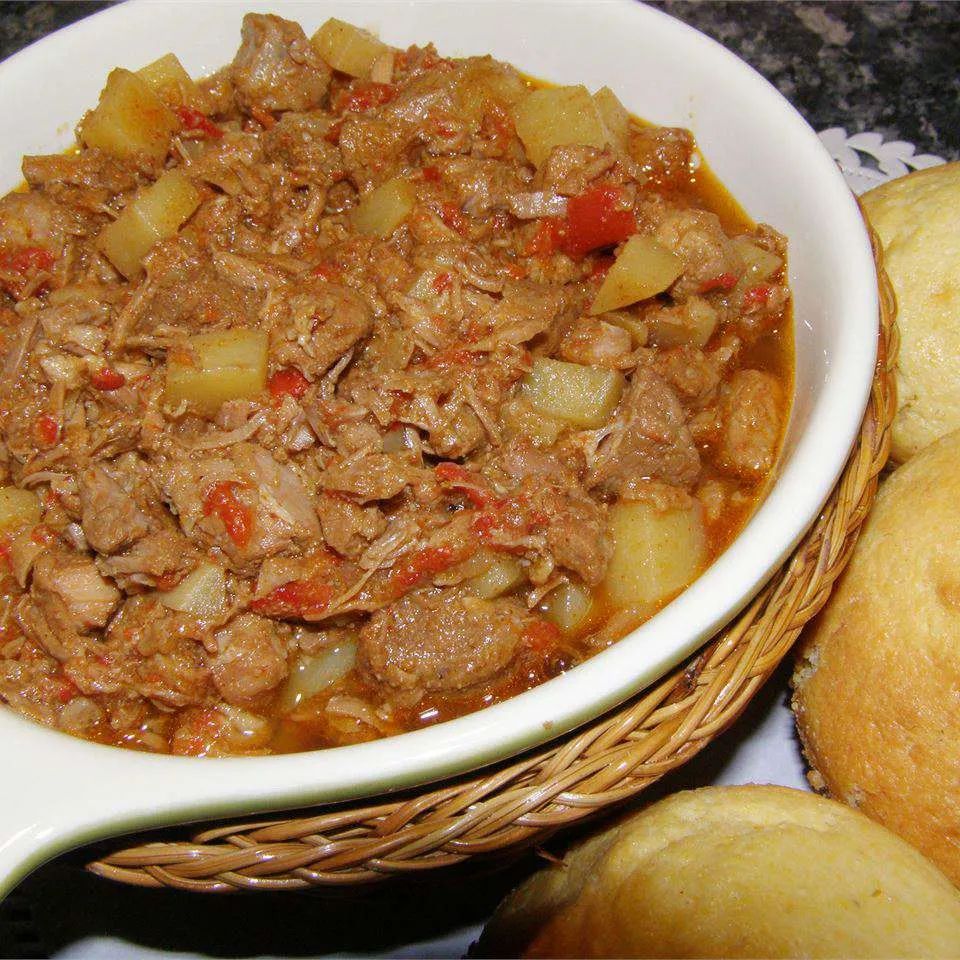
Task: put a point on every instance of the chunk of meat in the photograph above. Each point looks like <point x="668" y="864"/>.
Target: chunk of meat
<point x="347" y="527"/>
<point x="571" y="169"/>
<point x="276" y="67"/>
<point x="224" y="730"/>
<point x="70" y="590"/>
<point x="372" y="149"/>
<point x="576" y="532"/>
<point x="441" y="640"/>
<point x="152" y="560"/>
<point x="710" y="260"/>
<point x="648" y="439"/>
<point x="251" y="658"/>
<point x="597" y="343"/>
<point x="751" y="424"/>
<point x="110" y="516"/>
<point x="89" y="168"/>
<point x="33" y="220"/>
<point x="377" y="476"/>
<point x="317" y="326"/>
<point x="662" y="153"/>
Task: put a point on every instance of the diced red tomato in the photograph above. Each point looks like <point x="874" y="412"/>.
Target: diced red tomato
<point x="47" y="429"/>
<point x="264" y="117"/>
<point x="221" y="502"/>
<point x="364" y="96"/>
<point x="546" y="241"/>
<point x="333" y="134"/>
<point x="107" y="379"/>
<point x="296" y="598"/>
<point x="442" y="282"/>
<point x="422" y="564"/>
<point x="26" y="259"/>
<point x="541" y="636"/>
<point x="600" y="267"/>
<point x="757" y="296"/>
<point x="431" y="174"/>
<point x="723" y="282"/>
<point x="470" y="484"/>
<point x="288" y="382"/>
<point x="596" y="219"/>
<point x="195" y="120"/>
<point x="327" y="270"/>
<point x="452" y="216"/>
<point x="450" y="358"/>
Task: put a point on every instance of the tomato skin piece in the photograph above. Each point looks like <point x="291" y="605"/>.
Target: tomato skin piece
<point x="453" y="217"/>
<point x="288" y="382"/>
<point x="422" y="564"/>
<point x="295" y="598"/>
<point x="431" y="174"/>
<point x="366" y="95"/>
<point x="596" y="219"/>
<point x="195" y="120"/>
<point x="26" y="259"/>
<point x="106" y="379"/>
<point x="221" y="502"/>
<point x="724" y="282"/>
<point x="757" y="296"/>
<point x="47" y="429"/>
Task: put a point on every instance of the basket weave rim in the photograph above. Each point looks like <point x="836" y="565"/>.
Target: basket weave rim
<point x="502" y="809"/>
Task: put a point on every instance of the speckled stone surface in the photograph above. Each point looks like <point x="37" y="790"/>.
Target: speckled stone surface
<point x="884" y="66"/>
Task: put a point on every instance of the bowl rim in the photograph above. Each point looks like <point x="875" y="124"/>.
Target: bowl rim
<point x="205" y="787"/>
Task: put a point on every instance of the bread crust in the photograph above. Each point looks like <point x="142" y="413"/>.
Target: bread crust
<point x="877" y="683"/>
<point x="733" y="872"/>
<point x="916" y="219"/>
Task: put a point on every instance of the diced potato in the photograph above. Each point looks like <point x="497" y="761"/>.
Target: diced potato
<point x="348" y="48"/>
<point x="156" y="214"/>
<point x="643" y="268"/>
<point x="381" y="211"/>
<point x="520" y="419"/>
<point x="201" y="593"/>
<point x="313" y="674"/>
<point x="169" y="81"/>
<point x="501" y="576"/>
<point x="212" y="368"/>
<point x="691" y="324"/>
<point x="18" y="508"/>
<point x="656" y="552"/>
<point x="569" y="606"/>
<point x="130" y="120"/>
<point x="615" y="117"/>
<point x="761" y="264"/>
<point x="485" y="82"/>
<point x="581" y="395"/>
<point x="556" y="117"/>
<point x="637" y="328"/>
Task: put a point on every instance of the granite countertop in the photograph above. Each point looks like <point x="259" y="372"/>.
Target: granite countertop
<point x="884" y="66"/>
<point x="889" y="67"/>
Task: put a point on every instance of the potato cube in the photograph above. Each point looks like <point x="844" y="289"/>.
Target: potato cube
<point x="556" y="117"/>
<point x="688" y="324"/>
<point x="657" y="552"/>
<point x="211" y="368"/>
<point x="18" y="508"/>
<point x="520" y="419"/>
<point x="156" y="214"/>
<point x="202" y="592"/>
<point x="169" y="81"/>
<point x="130" y="120"/>
<point x="382" y="210"/>
<point x="761" y="264"/>
<point x="348" y="48"/>
<point x="569" y="606"/>
<point x="573" y="392"/>
<point x="615" y="117"/>
<point x="643" y="268"/>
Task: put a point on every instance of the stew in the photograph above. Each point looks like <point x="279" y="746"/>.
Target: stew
<point x="352" y="388"/>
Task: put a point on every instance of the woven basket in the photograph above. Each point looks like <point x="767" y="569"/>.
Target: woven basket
<point x="499" y="811"/>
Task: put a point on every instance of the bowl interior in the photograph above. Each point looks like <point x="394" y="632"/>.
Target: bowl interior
<point x="663" y="71"/>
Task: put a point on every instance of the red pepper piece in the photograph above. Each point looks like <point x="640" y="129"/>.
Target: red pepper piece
<point x="107" y="379"/>
<point x="297" y="598"/>
<point x="422" y="564"/>
<point x="757" y="296"/>
<point x="724" y="282"/>
<point x="288" y="381"/>
<point x="596" y="219"/>
<point x="195" y="120"/>
<point x="221" y="501"/>
<point x="47" y="429"/>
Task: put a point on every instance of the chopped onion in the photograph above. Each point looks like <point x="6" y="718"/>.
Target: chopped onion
<point x="310" y="675"/>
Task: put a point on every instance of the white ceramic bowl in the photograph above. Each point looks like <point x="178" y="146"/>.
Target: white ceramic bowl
<point x="59" y="791"/>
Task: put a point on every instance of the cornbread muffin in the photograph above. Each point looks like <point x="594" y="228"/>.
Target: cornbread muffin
<point x="877" y="685"/>
<point x="733" y="872"/>
<point x="916" y="219"/>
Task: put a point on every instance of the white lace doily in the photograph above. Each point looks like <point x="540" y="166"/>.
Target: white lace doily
<point x="866" y="160"/>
